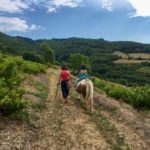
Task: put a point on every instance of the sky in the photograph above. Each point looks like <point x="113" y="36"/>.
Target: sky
<point x="112" y="20"/>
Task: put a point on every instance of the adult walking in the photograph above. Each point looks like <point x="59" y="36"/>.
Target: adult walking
<point x="64" y="80"/>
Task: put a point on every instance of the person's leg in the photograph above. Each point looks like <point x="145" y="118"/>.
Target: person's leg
<point x="63" y="89"/>
<point x="67" y="91"/>
<point x="66" y="88"/>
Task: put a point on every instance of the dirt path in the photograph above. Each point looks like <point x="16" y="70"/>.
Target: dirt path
<point x="65" y="126"/>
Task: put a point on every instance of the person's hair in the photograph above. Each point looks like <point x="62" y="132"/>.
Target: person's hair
<point x="83" y="67"/>
<point x="64" y="67"/>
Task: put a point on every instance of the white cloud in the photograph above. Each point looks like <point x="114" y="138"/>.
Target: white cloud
<point x="107" y="4"/>
<point x="35" y="27"/>
<point x="65" y="3"/>
<point x="53" y="5"/>
<point x="17" y="6"/>
<point x="13" y="24"/>
<point x="51" y="9"/>
<point x="8" y="24"/>
<point x="12" y="6"/>
<point x="142" y="7"/>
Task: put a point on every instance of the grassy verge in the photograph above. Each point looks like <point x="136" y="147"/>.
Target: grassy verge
<point x="41" y="93"/>
<point x="22" y="116"/>
<point x="109" y="131"/>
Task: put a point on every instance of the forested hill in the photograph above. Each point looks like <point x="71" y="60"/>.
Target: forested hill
<point x="16" y="45"/>
<point x="19" y="45"/>
<point x="122" y="62"/>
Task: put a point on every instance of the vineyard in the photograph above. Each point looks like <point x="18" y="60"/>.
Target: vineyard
<point x="27" y="90"/>
<point x="139" y="96"/>
<point x="12" y="74"/>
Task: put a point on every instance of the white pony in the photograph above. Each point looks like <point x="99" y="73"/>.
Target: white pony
<point x="85" y="88"/>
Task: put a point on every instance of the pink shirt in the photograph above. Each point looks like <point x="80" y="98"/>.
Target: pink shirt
<point x="64" y="75"/>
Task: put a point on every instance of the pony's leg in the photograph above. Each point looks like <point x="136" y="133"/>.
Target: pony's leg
<point x="91" y="98"/>
<point x="91" y="101"/>
<point x="87" y="104"/>
<point x="79" y="96"/>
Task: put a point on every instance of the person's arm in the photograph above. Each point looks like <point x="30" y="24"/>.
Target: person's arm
<point x="71" y="76"/>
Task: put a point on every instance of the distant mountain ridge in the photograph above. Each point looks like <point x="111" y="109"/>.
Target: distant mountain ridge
<point x="19" y="45"/>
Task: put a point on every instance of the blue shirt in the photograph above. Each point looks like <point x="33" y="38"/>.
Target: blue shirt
<point x="83" y="76"/>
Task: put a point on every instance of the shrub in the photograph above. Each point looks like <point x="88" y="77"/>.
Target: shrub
<point x="32" y="56"/>
<point x="12" y="71"/>
<point x="138" y="96"/>
<point x="31" y="67"/>
<point x="11" y="93"/>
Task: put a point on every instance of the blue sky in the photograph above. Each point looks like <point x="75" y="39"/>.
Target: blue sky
<point x="113" y="20"/>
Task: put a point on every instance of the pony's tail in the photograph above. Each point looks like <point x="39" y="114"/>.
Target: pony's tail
<point x="89" y="94"/>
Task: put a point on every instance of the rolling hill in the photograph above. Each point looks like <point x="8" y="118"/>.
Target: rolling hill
<point x="99" y="51"/>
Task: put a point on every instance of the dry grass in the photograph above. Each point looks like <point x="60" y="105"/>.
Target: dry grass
<point x="133" y="56"/>
<point x="139" y="55"/>
<point x="121" y="54"/>
<point x="132" y="61"/>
